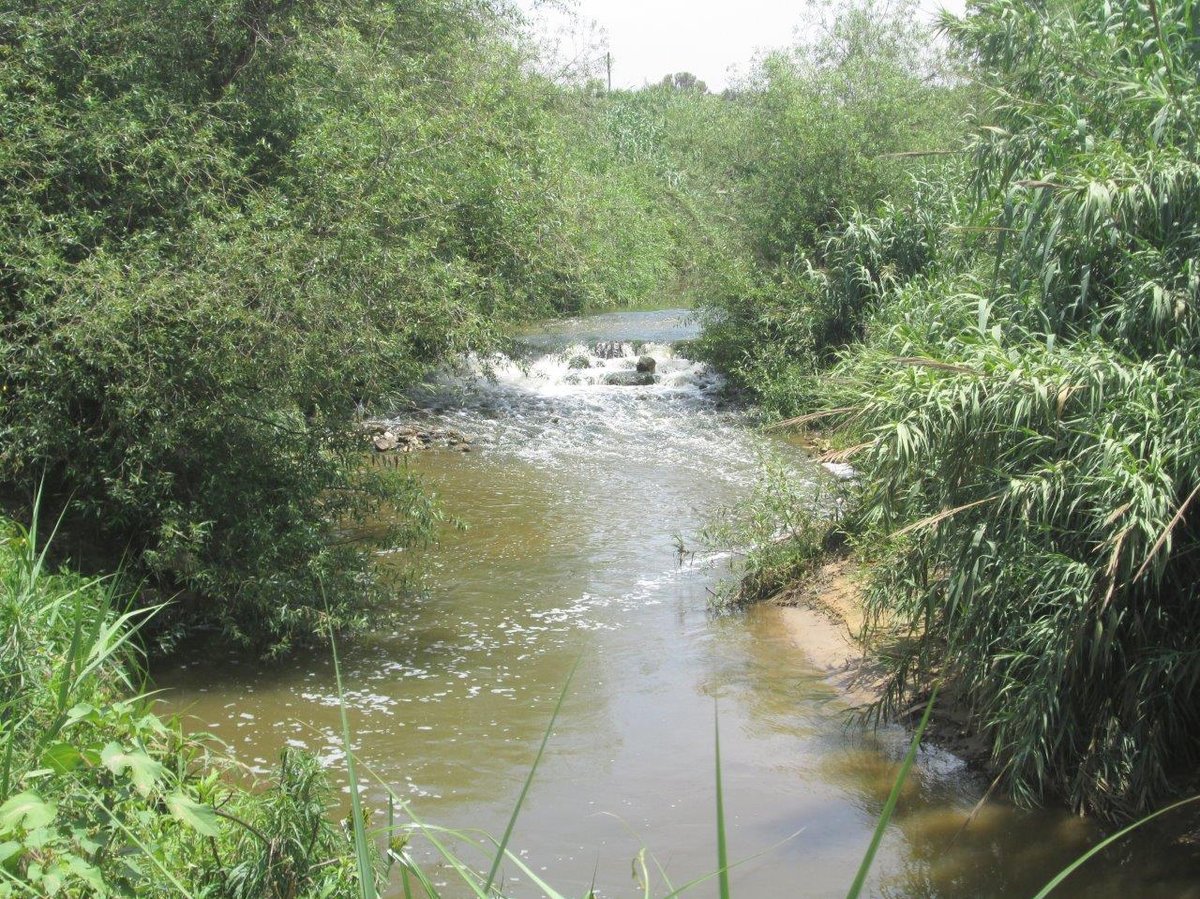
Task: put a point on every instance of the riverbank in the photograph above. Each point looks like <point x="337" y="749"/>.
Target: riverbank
<point x="100" y="795"/>
<point x="825" y="618"/>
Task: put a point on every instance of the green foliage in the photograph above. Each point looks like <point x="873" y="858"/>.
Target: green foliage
<point x="774" y="339"/>
<point x="827" y="119"/>
<point x="1056" y="416"/>
<point x="226" y="225"/>
<point x="778" y="535"/>
<point x="99" y="796"/>
<point x="829" y="129"/>
<point x="1022" y="399"/>
<point x="283" y="843"/>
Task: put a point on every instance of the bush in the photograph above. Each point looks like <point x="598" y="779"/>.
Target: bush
<point x="782" y="533"/>
<point x="99" y="796"/>
<point x="1023" y="405"/>
<point x="229" y="225"/>
<point x="834" y="133"/>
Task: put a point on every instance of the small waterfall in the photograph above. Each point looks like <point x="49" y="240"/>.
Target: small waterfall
<point x="588" y="401"/>
<point x="580" y="369"/>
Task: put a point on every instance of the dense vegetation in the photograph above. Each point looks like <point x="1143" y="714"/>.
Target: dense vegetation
<point x="228" y="224"/>
<point x="99" y="796"/>
<point x="826" y="127"/>
<point x="228" y="227"/>
<point x="1013" y="350"/>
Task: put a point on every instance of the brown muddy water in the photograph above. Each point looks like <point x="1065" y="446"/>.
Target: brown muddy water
<point x="573" y="498"/>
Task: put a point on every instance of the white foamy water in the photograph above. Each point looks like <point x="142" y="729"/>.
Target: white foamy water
<point x="558" y="406"/>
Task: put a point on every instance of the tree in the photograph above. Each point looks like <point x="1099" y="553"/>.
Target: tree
<point x="684" y="81"/>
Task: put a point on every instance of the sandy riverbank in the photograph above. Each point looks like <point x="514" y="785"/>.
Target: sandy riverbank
<point x="824" y="619"/>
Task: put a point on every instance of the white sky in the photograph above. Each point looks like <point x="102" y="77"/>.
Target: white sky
<point x="650" y="38"/>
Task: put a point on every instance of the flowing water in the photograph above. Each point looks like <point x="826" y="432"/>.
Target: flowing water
<point x="574" y="496"/>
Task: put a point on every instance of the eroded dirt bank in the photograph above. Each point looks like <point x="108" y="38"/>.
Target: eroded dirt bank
<point x="825" y="618"/>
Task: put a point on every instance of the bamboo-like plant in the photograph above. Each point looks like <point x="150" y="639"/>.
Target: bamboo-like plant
<point x="1026" y="407"/>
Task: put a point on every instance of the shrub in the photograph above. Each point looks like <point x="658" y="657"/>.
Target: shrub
<point x="99" y="796"/>
<point x="229" y="225"/>
<point x="1023" y="407"/>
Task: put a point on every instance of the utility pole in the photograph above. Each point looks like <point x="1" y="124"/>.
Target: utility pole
<point x="608" y="63"/>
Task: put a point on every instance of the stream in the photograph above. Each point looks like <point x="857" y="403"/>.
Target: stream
<point x="574" y="495"/>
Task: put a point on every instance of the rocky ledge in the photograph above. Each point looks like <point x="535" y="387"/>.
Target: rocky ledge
<point x="389" y="436"/>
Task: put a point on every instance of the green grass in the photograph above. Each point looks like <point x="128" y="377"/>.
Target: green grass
<point x="100" y="796"/>
<point x="362" y="850"/>
<point x="889" y="807"/>
<point x="722" y="850"/>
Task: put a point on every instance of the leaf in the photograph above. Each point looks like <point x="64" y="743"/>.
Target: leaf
<point x="889" y="807"/>
<point x="82" y="712"/>
<point x="502" y="846"/>
<point x="89" y="874"/>
<point x="62" y="758"/>
<point x="143" y="770"/>
<point x="8" y="849"/>
<point x="196" y="815"/>
<point x="28" y="810"/>
<point x="722" y="853"/>
<point x="1104" y="844"/>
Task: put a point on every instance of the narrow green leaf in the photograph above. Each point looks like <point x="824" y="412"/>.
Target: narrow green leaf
<point x="1104" y="844"/>
<point x="512" y="820"/>
<point x="722" y="851"/>
<point x="889" y="807"/>
<point x="362" y="852"/>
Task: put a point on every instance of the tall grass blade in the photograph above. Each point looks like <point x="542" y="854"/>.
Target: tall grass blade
<point x="547" y="890"/>
<point x="1104" y="844"/>
<point x="430" y="831"/>
<point x="64" y="686"/>
<point x="889" y="807"/>
<point x="366" y="873"/>
<point x="722" y="851"/>
<point x="512" y="821"/>
<point x="704" y="878"/>
<point x="431" y="891"/>
<point x="6" y="768"/>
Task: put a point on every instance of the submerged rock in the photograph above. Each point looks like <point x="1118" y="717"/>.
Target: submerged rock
<point x="387" y="437"/>
<point x="629" y="379"/>
<point x="647" y="364"/>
